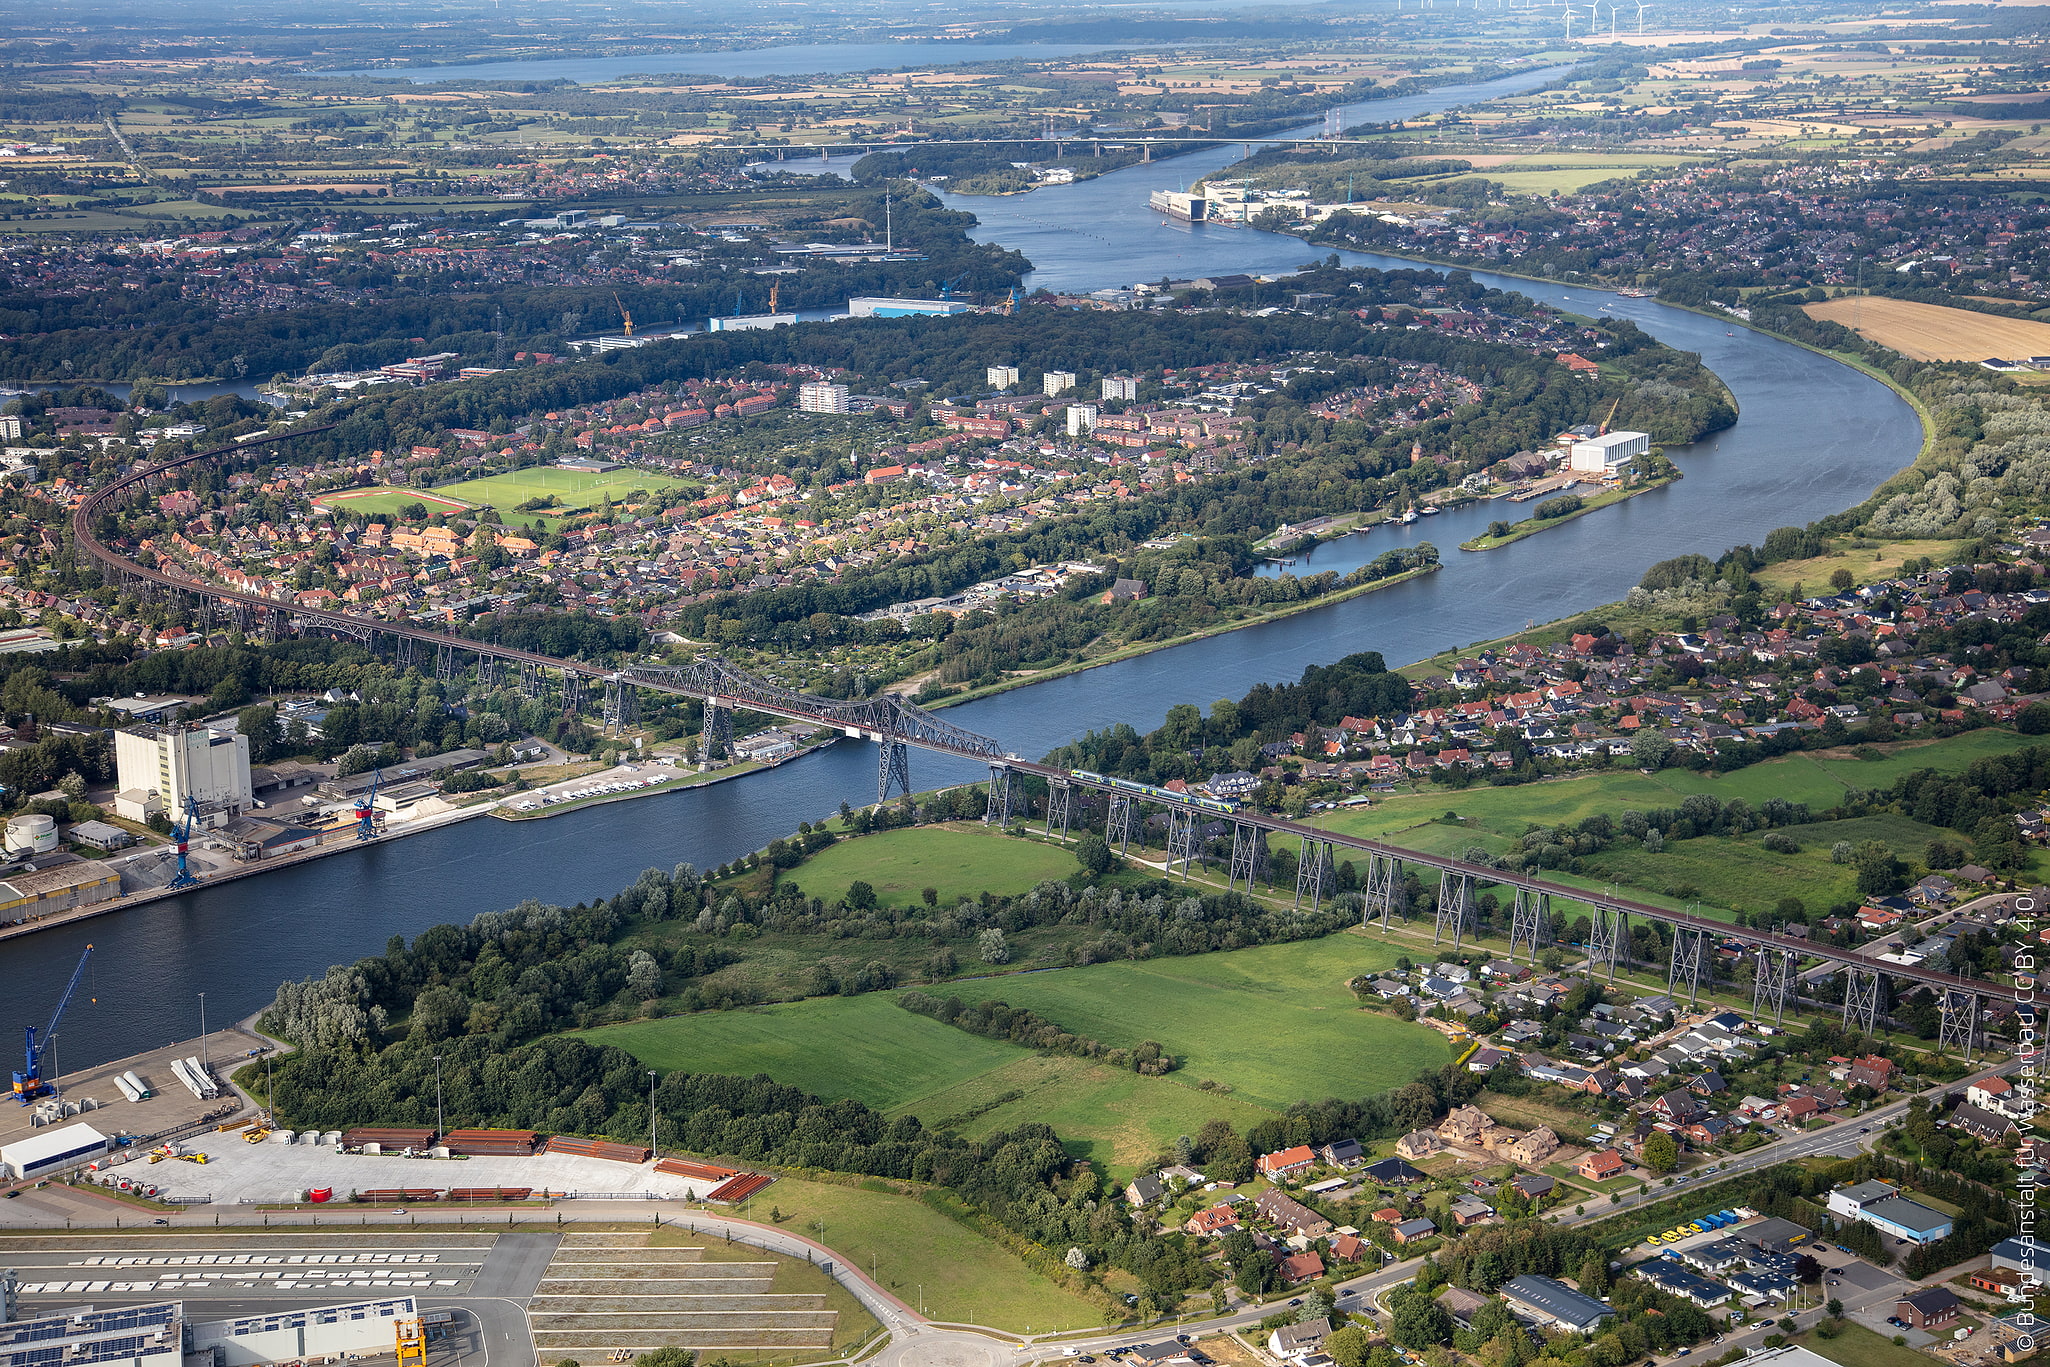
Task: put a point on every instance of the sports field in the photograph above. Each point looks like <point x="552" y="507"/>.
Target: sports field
<point x="576" y="488"/>
<point x="958" y="862"/>
<point x="389" y="501"/>
<point x="1931" y="332"/>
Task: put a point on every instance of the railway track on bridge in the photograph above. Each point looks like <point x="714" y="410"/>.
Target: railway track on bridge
<point x="897" y="726"/>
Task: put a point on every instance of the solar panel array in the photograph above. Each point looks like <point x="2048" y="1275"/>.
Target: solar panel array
<point x="94" y="1337"/>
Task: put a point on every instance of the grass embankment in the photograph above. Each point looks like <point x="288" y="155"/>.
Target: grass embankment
<point x="1268" y="1025"/>
<point x="918" y="1253"/>
<point x="1589" y="503"/>
<point x="1726" y="874"/>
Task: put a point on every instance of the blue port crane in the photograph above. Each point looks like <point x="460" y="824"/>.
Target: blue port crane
<point x="185" y="830"/>
<point x="366" y="808"/>
<point x="28" y="1083"/>
<point x="947" y="290"/>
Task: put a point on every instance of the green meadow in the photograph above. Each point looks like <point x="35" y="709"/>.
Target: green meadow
<point x="956" y="861"/>
<point x="1264" y="1027"/>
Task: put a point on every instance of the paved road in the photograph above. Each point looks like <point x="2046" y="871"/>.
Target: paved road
<point x="515" y="1266"/>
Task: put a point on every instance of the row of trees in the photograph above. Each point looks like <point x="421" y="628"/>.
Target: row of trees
<point x="1000" y="1020"/>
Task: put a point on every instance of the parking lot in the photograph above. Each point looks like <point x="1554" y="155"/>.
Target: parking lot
<point x="619" y="781"/>
<point x="290" y="1265"/>
<point x="270" y="1172"/>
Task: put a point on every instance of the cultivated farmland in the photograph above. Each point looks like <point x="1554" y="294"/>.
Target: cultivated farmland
<point x="1930" y="332"/>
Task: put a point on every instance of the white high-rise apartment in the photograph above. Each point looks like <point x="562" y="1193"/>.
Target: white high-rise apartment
<point x="820" y="397"/>
<point x="1081" y="419"/>
<point x="1057" y="382"/>
<point x="1120" y="387"/>
<point x="1002" y="376"/>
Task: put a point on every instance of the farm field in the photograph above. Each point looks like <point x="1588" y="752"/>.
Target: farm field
<point x="1931" y="332"/>
<point x="960" y="861"/>
<point x="1742" y="875"/>
<point x="1563" y="180"/>
<point x="1724" y="875"/>
<point x="1881" y="561"/>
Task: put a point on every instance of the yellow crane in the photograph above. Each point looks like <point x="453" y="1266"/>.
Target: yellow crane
<point x="1612" y="415"/>
<point x="627" y="317"/>
<point x="410" y="1343"/>
<point x="775" y="289"/>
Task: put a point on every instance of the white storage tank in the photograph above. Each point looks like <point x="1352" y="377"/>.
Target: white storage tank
<point x="331" y="1137"/>
<point x="282" y="1136"/>
<point x="31" y="835"/>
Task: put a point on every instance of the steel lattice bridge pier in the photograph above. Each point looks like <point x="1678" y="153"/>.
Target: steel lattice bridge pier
<point x="897" y="727"/>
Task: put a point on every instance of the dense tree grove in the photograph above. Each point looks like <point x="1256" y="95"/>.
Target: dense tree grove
<point x="1000" y="1020"/>
<point x="1189" y="745"/>
<point x="160" y="333"/>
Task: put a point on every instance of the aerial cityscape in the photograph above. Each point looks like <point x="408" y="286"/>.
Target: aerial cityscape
<point x="1340" y="684"/>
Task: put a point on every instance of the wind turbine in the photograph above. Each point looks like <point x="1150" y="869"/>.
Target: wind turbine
<point x="1569" y="23"/>
<point x="1640" y="18"/>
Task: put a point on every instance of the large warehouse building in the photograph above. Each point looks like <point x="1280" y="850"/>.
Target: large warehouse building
<point x="364" y="1328"/>
<point x="50" y="1151"/>
<point x="1881" y="1206"/>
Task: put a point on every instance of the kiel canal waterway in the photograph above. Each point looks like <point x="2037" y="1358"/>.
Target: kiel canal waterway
<point x="1815" y="437"/>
